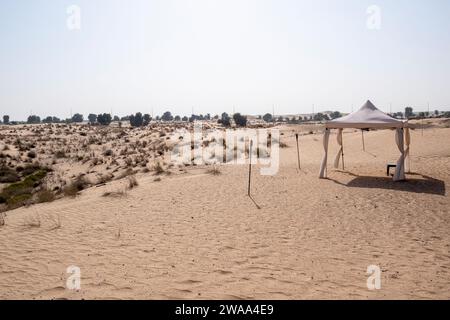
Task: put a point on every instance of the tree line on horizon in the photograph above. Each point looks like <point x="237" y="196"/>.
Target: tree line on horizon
<point x="138" y="119"/>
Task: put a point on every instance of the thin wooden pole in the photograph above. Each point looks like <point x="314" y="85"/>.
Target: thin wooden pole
<point x="250" y="168"/>
<point x="298" y="152"/>
<point x="362" y="135"/>
<point x="422" y="126"/>
<point x="409" y="158"/>
<point x="343" y="166"/>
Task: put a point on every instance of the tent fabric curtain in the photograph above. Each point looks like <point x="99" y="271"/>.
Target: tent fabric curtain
<point x="323" y="167"/>
<point x="400" y="169"/>
<point x="341" y="149"/>
<point x="407" y="143"/>
<point x="369" y="117"/>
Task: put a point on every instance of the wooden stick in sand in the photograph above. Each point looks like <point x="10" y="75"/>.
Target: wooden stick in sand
<point x="298" y="152"/>
<point x="250" y="167"/>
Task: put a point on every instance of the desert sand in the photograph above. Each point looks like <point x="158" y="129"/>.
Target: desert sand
<point x="197" y="235"/>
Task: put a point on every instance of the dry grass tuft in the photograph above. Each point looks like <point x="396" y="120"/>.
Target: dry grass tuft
<point x="159" y="169"/>
<point x="283" y="145"/>
<point x="132" y="182"/>
<point x="2" y="219"/>
<point x="215" y="171"/>
<point x="115" y="194"/>
<point x="45" y="195"/>
<point x="75" y="187"/>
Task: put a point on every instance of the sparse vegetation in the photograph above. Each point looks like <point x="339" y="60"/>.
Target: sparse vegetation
<point x="75" y="187"/>
<point x="8" y="175"/>
<point x="20" y="193"/>
<point x="132" y="182"/>
<point x="215" y="171"/>
<point x="31" y="154"/>
<point x="283" y="145"/>
<point x="159" y="169"/>
<point x="115" y="194"/>
<point x="45" y="195"/>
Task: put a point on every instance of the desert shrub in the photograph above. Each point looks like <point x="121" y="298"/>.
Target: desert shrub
<point x="128" y="162"/>
<point x="29" y="169"/>
<point x="20" y="193"/>
<point x="31" y="154"/>
<point x="104" y="178"/>
<point x="96" y="161"/>
<point x="45" y="195"/>
<point x="159" y="169"/>
<point x="283" y="145"/>
<point x="132" y="182"/>
<point x="125" y="174"/>
<point x="108" y="153"/>
<point x="60" y="154"/>
<point x="75" y="187"/>
<point x="215" y="171"/>
<point x="8" y="175"/>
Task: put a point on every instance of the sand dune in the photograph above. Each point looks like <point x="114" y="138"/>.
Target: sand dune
<point x="195" y="235"/>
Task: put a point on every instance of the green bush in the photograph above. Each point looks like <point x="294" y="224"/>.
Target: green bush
<point x="19" y="193"/>
<point x="45" y="196"/>
<point x="8" y="175"/>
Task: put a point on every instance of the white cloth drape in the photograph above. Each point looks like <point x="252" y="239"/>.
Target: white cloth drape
<point x="400" y="169"/>
<point x="407" y="143"/>
<point x="341" y="149"/>
<point x="323" y="167"/>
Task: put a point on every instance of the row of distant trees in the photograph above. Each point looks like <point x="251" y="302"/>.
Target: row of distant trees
<point x="139" y="119"/>
<point x="409" y="113"/>
<point x="316" y="117"/>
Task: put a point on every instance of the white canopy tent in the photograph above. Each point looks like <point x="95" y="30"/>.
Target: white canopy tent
<point x="368" y="117"/>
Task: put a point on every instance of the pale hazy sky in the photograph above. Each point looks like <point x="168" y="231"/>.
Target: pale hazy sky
<point x="212" y="55"/>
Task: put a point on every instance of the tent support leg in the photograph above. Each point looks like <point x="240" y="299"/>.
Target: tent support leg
<point x="364" y="145"/>
<point x="343" y="165"/>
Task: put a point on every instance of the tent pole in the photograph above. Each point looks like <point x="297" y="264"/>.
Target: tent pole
<point x="362" y="135"/>
<point x="298" y="152"/>
<point x="343" y="166"/>
<point x="422" y="126"/>
<point x="409" y="153"/>
<point x="250" y="168"/>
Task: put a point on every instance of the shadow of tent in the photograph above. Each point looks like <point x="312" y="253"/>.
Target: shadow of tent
<point x="425" y="184"/>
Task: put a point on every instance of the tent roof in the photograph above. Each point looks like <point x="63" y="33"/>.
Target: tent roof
<point x="365" y="118"/>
